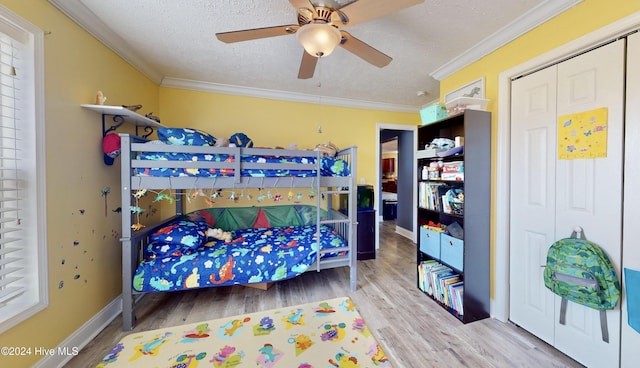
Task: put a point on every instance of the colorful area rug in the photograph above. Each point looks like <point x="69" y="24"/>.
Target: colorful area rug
<point x="317" y="335"/>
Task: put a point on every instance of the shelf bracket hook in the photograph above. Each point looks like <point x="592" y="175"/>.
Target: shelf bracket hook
<point x="118" y="121"/>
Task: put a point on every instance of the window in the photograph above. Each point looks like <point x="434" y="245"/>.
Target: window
<point x="23" y="266"/>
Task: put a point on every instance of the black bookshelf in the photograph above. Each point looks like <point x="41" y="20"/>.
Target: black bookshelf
<point x="470" y="263"/>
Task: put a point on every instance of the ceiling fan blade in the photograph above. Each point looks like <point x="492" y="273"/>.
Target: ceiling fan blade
<point x="362" y="11"/>
<point x="307" y="66"/>
<point x="304" y="8"/>
<point x="256" y="33"/>
<point x="364" y="51"/>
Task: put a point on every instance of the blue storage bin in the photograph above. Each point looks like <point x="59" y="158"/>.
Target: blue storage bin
<point x="433" y="113"/>
<point x="452" y="251"/>
<point x="430" y="242"/>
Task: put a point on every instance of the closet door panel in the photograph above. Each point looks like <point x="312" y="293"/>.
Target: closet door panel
<point x="630" y="349"/>
<point x="578" y="180"/>
<point x="589" y="190"/>
<point x="533" y="142"/>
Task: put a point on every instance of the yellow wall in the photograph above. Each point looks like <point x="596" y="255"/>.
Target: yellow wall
<point x="81" y="239"/>
<point x="271" y="123"/>
<point x="578" y="21"/>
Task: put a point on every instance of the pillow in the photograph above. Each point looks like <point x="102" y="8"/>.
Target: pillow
<point x="184" y="234"/>
<point x="161" y="250"/>
<point x="330" y="166"/>
<point x="185" y="137"/>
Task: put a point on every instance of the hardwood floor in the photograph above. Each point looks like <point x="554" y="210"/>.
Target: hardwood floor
<point x="413" y="330"/>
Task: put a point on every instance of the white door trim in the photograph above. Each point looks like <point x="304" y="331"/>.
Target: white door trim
<point x="500" y="303"/>
<point x="377" y="206"/>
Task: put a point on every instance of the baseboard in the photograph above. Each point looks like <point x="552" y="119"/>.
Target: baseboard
<point x="404" y="232"/>
<point x="82" y="336"/>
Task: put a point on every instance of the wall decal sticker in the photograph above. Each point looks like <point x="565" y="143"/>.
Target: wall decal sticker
<point x="105" y="193"/>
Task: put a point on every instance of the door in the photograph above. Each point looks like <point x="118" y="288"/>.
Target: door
<point x="551" y="197"/>
<point x="533" y="196"/>
<point x="630" y="351"/>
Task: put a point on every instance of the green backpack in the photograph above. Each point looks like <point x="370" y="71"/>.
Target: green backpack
<point x="580" y="271"/>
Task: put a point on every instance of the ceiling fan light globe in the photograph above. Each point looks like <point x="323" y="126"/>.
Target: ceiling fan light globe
<point x="318" y="39"/>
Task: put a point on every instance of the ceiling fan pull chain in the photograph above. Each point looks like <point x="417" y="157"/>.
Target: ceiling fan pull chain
<point x="319" y="85"/>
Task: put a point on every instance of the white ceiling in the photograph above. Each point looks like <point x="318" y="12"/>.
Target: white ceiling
<point x="173" y="42"/>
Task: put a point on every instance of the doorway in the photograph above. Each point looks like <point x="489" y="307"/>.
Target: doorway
<point x="389" y="190"/>
<point x="405" y="177"/>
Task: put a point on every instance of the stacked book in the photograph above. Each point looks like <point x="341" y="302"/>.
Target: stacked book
<point x="429" y="196"/>
<point x="442" y="284"/>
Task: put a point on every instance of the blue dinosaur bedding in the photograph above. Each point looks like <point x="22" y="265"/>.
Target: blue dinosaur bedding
<point x="254" y="256"/>
<point x="329" y="166"/>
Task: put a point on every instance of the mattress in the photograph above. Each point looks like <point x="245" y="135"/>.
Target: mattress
<point x="329" y="166"/>
<point x="254" y="256"/>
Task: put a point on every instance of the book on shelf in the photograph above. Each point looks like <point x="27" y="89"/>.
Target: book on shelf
<point x="426" y="268"/>
<point x="436" y="275"/>
<point x="453" y="293"/>
<point x="428" y="196"/>
<point x="444" y="281"/>
<point x="456" y="291"/>
<point x="442" y="284"/>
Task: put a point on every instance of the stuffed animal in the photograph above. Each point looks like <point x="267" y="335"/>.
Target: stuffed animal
<point x="222" y="142"/>
<point x="219" y="234"/>
<point x="241" y="140"/>
<point x="327" y="149"/>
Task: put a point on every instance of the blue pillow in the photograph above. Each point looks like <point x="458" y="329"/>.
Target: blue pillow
<point x="185" y="137"/>
<point x="183" y="234"/>
<point x="161" y="250"/>
<point x="330" y="166"/>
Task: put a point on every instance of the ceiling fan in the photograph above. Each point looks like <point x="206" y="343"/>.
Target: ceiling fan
<point x="318" y="30"/>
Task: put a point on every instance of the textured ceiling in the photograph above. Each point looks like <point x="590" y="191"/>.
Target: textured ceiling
<point x="175" y="40"/>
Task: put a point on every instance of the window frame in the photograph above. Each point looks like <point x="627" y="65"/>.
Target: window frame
<point x="23" y="307"/>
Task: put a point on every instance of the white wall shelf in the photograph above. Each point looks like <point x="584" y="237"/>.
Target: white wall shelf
<point x="121" y="115"/>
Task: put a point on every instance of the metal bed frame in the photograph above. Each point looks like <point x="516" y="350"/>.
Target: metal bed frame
<point x="133" y="241"/>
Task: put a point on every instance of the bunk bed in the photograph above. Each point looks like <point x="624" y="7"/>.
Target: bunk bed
<point x="180" y="168"/>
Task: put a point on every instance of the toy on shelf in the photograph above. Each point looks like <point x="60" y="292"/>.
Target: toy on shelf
<point x="100" y="98"/>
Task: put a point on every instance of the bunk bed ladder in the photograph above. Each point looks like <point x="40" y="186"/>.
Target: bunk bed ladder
<point x="335" y="220"/>
<point x="352" y="230"/>
<point x="129" y="255"/>
<point x="345" y="225"/>
<point x="317" y="187"/>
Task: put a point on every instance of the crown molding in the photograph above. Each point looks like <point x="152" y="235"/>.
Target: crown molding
<point x="282" y="95"/>
<point x="523" y="24"/>
<point x="86" y="19"/>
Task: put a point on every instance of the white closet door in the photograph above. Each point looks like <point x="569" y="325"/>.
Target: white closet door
<point x="533" y="200"/>
<point x="589" y="192"/>
<point x="630" y="350"/>
<point x="551" y="197"/>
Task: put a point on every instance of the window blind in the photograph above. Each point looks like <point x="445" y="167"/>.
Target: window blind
<point x="11" y="254"/>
